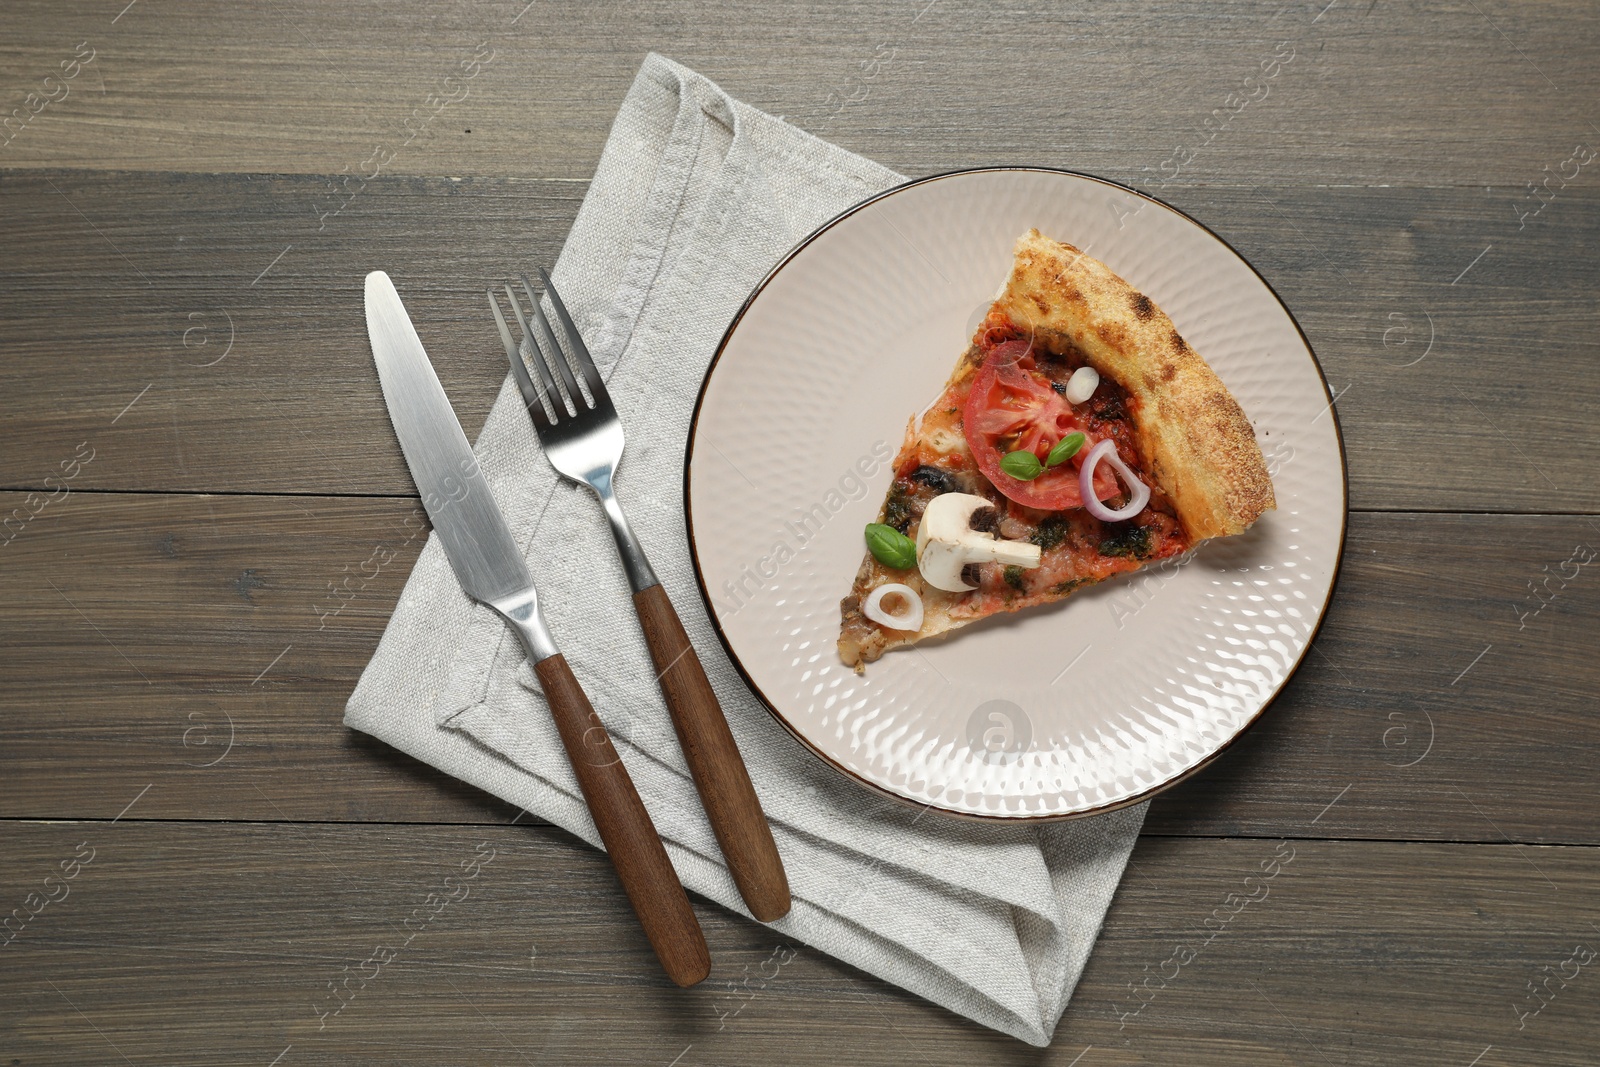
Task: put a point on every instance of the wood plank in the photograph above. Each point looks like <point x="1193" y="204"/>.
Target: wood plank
<point x="195" y="323"/>
<point x="1470" y="93"/>
<point x="1429" y="708"/>
<point x="1441" y="405"/>
<point x="219" y="944"/>
<point x="209" y="643"/>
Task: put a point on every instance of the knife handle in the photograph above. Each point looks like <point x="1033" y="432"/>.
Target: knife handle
<point x="630" y="837"/>
<point x="719" y="773"/>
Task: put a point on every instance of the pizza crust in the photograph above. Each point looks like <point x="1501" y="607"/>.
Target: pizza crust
<point x="1196" y="442"/>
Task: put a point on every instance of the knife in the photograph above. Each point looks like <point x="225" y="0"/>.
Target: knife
<point x="491" y="571"/>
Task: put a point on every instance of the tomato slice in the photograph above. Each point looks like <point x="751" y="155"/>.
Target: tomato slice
<point x="1012" y="407"/>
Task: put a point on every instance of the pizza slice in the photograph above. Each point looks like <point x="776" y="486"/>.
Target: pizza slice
<point x="1080" y="437"/>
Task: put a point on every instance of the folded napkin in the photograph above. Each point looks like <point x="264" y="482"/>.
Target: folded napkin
<point x="696" y="197"/>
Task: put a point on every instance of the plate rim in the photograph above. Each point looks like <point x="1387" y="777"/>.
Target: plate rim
<point x="766" y="702"/>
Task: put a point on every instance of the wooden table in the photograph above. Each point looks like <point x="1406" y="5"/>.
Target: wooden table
<point x="210" y="524"/>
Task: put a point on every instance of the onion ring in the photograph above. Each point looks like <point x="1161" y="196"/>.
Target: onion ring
<point x="1137" y="490"/>
<point x="873" y="607"/>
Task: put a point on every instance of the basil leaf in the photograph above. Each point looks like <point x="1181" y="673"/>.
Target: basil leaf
<point x="1065" y="449"/>
<point x="890" y="547"/>
<point x="1023" y="466"/>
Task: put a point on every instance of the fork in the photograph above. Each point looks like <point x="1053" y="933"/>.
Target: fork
<point x="582" y="438"/>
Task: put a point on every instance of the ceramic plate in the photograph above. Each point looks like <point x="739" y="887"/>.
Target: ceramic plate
<point x="1079" y="707"/>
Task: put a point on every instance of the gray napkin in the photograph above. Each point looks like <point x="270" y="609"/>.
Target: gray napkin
<point x="696" y="197"/>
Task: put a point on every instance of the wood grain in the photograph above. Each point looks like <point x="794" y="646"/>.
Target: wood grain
<point x="294" y="405"/>
<point x="140" y="627"/>
<point x="229" y="943"/>
<point x="719" y="772"/>
<point x="1371" y="96"/>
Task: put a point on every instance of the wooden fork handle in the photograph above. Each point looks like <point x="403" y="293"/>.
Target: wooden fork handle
<point x="630" y="837"/>
<point x="719" y="773"/>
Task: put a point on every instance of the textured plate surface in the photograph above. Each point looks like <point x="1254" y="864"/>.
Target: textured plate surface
<point x="1096" y="702"/>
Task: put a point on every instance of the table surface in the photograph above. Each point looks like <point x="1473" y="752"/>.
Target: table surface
<point x="209" y="524"/>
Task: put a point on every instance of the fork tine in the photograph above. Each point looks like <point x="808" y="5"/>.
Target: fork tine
<point x="591" y="376"/>
<point x="557" y="401"/>
<point x="532" y="395"/>
<point x="556" y="354"/>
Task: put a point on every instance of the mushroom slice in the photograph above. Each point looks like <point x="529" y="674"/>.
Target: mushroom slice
<point x="958" y="529"/>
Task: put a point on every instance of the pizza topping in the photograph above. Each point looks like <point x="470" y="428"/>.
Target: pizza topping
<point x="1065" y="449"/>
<point x="1012" y="413"/>
<point x="1049" y="533"/>
<point x="1134" y="543"/>
<point x="1024" y="466"/>
<point x="897" y="508"/>
<point x="915" y="484"/>
<point x="1082" y="384"/>
<point x="908" y="616"/>
<point x="936" y="479"/>
<point x="1138" y="492"/>
<point x="948" y="541"/>
<point x="890" y="547"/>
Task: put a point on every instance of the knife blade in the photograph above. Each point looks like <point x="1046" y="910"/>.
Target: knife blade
<point x="454" y="492"/>
<point x="491" y="570"/>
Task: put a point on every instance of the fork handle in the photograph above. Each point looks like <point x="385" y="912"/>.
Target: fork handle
<point x="630" y="837"/>
<point x="719" y="773"/>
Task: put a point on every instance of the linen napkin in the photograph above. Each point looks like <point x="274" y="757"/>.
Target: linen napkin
<point x="696" y="197"/>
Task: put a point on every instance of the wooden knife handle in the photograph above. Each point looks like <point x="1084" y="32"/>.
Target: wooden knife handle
<point x="719" y="772"/>
<point x="630" y="837"/>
